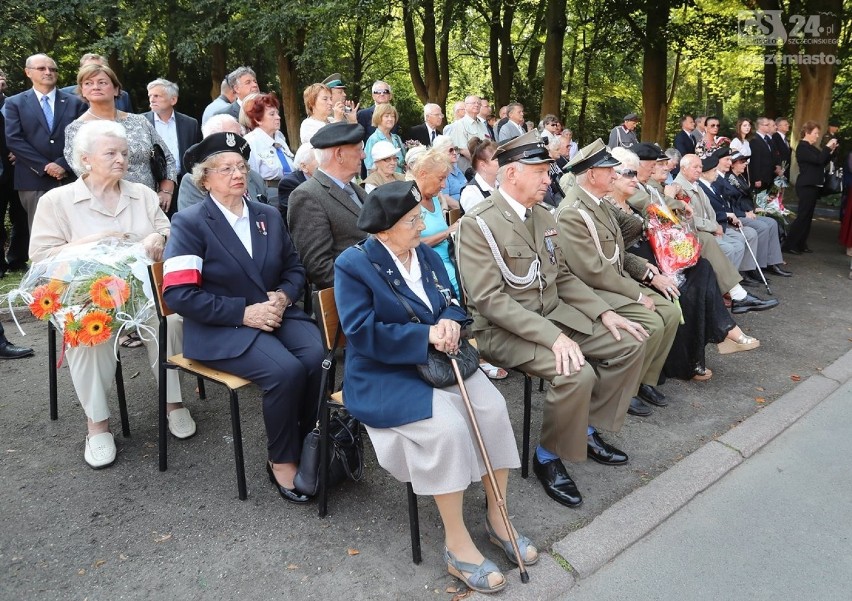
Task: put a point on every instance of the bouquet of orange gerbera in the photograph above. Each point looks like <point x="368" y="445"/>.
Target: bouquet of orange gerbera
<point x="675" y="246"/>
<point x="91" y="291"/>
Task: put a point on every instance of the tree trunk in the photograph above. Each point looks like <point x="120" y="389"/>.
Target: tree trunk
<point x="580" y="135"/>
<point x="654" y="74"/>
<point x="218" y="62"/>
<point x="288" y="77"/>
<point x="432" y="83"/>
<point x="770" y="88"/>
<point x="556" y="22"/>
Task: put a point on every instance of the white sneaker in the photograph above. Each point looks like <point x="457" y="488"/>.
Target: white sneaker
<point x="100" y="450"/>
<point x="181" y="424"/>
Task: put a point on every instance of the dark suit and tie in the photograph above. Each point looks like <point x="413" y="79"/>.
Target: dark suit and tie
<point x="761" y="168"/>
<point x="37" y="143"/>
<point x="684" y="143"/>
<point x="422" y="134"/>
<point x="19" y="235"/>
<point x="323" y="222"/>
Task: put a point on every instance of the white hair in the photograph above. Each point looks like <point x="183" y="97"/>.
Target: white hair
<point x="324" y="156"/>
<point x="626" y="157"/>
<point x="170" y="88"/>
<point x="221" y="123"/>
<point x="443" y="143"/>
<point x="688" y="160"/>
<point x="304" y="155"/>
<point x="429" y="106"/>
<point x="87" y="137"/>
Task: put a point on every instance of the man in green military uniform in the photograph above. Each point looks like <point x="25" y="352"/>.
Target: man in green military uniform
<point x="595" y="253"/>
<point x="532" y="313"/>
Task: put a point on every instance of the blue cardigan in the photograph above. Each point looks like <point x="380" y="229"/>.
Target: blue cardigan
<point x="380" y="382"/>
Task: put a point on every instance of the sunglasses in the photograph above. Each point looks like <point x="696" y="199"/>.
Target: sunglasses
<point x="381" y="91"/>
<point x="627" y="172"/>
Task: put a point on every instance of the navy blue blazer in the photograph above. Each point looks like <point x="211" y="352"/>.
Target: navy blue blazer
<point x="718" y="204"/>
<point x="736" y="201"/>
<point x="33" y="144"/>
<point x="380" y="382"/>
<point x="231" y="279"/>
<point x="684" y="143"/>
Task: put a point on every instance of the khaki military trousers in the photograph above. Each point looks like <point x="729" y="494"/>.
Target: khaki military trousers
<point x="598" y="395"/>
<point x="727" y="275"/>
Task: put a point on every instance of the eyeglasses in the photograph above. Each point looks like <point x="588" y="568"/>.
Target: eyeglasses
<point x="629" y="173"/>
<point x="241" y="167"/>
<point x="436" y="115"/>
<point x="415" y="221"/>
<point x="43" y="69"/>
<point x="452" y="150"/>
<point x="379" y="92"/>
<point x="713" y="125"/>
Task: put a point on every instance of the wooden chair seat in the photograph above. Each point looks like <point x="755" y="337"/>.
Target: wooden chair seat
<point x="231" y="381"/>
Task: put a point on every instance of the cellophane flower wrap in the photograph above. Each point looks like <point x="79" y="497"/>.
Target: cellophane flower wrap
<point x="675" y="245"/>
<point x="92" y="291"/>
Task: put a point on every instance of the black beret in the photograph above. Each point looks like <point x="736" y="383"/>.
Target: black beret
<point x="649" y="152"/>
<point x="387" y="204"/>
<point x="709" y="162"/>
<point x="723" y="151"/>
<point x="340" y="133"/>
<point x="215" y="144"/>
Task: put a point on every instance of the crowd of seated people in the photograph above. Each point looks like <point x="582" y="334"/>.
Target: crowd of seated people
<point x="549" y="271"/>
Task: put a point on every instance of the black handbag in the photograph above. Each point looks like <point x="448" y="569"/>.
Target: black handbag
<point x="438" y="371"/>
<point x="159" y="166"/>
<point x="833" y="183"/>
<point x="345" y="454"/>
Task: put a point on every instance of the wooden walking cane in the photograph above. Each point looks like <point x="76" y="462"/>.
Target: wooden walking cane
<point x="501" y="502"/>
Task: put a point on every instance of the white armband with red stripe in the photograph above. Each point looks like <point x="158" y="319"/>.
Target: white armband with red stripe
<point x="183" y="270"/>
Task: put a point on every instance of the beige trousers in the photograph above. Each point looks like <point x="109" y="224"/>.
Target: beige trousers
<point x="662" y="326"/>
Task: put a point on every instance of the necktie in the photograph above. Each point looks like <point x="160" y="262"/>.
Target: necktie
<point x="351" y="192"/>
<point x="529" y="223"/>
<point x="768" y="143"/>
<point x="432" y="138"/>
<point x="285" y="166"/>
<point x="48" y="112"/>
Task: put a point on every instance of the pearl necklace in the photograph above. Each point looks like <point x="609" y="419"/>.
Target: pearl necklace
<point x="115" y="116"/>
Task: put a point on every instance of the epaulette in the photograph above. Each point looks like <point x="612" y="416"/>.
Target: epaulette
<point x="480" y="207"/>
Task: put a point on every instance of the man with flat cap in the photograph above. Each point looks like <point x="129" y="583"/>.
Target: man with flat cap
<point x="531" y="312"/>
<point x="323" y="212"/>
<point x="624" y="135"/>
<point x="595" y="252"/>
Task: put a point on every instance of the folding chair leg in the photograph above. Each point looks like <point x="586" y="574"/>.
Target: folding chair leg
<point x="238" y="445"/>
<point x="323" y="467"/>
<point x="122" y="400"/>
<point x="413" y="524"/>
<point x="202" y="392"/>
<point x="162" y="434"/>
<point x="541" y="384"/>
<point x="51" y="370"/>
<point x="525" y="462"/>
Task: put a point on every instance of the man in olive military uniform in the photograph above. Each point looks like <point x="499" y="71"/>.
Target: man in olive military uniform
<point x="532" y="313"/>
<point x="595" y="253"/>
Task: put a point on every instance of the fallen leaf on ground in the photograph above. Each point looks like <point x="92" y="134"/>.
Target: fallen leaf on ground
<point x="760" y="389"/>
<point x="353" y="551"/>
<point x="292" y="566"/>
<point x="134" y="375"/>
<point x="122" y="557"/>
<point x="163" y="538"/>
<point x="99" y="563"/>
<point x="452" y="589"/>
<point x="796" y="377"/>
<point x="81" y="572"/>
<point x="759" y="399"/>
<point x="462" y="595"/>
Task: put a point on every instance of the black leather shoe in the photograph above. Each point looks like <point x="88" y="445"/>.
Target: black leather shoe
<point x="638" y="408"/>
<point x="556" y="482"/>
<point x="747" y="280"/>
<point x="779" y="271"/>
<point x="755" y="275"/>
<point x="752" y="303"/>
<point x="601" y="451"/>
<point x="288" y="494"/>
<point x="649" y="394"/>
<point x="10" y="351"/>
<point x="792" y="251"/>
<point x="807" y="250"/>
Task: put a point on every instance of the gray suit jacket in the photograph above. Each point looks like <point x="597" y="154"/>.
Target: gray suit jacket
<point x="323" y="223"/>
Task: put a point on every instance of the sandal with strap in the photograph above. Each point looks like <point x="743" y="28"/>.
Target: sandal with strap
<point x="132" y="340"/>
<point x="743" y="343"/>
<point x="477" y="578"/>
<point x="493" y="372"/>
<point x="523" y="545"/>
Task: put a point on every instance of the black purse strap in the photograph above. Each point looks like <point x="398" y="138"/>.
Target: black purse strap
<point x="399" y="297"/>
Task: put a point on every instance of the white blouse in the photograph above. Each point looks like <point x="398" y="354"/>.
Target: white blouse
<point x="264" y="160"/>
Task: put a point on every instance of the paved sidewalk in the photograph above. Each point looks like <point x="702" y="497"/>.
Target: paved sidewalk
<point x="776" y="527"/>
